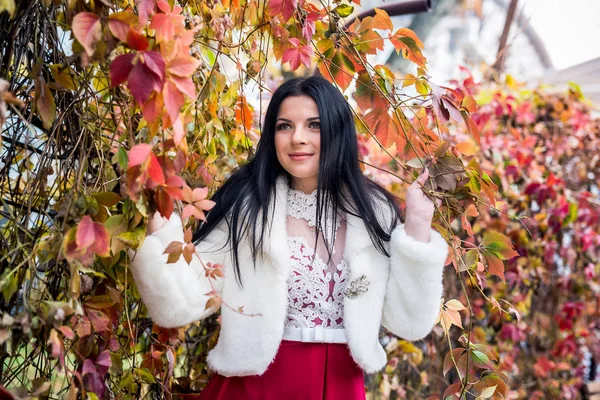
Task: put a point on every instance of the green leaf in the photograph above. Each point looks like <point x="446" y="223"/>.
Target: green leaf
<point x="8" y="286"/>
<point x="107" y="199"/>
<point x="133" y="239"/>
<point x="498" y="245"/>
<point x="470" y="260"/>
<point x="344" y="10"/>
<point x="122" y="157"/>
<point x="145" y="375"/>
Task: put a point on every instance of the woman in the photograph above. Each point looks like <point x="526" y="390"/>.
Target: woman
<point x="311" y="249"/>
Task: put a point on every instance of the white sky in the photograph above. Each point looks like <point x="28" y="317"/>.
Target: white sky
<point x="570" y="29"/>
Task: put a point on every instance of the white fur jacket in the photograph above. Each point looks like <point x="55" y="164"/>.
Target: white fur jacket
<point x="403" y="294"/>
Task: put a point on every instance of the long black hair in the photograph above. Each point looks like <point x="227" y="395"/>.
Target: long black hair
<point x="246" y="195"/>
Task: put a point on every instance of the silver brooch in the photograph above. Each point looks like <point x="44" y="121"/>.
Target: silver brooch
<point x="357" y="287"/>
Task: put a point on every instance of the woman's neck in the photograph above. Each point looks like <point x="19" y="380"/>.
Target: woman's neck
<point x="306" y="185"/>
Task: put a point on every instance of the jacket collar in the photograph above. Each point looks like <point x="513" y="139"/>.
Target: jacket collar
<point x="357" y="236"/>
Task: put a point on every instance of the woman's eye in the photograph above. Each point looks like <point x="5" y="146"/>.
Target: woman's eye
<point x="315" y="125"/>
<point x="282" y="126"/>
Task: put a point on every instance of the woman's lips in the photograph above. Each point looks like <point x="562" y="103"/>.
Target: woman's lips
<point x="300" y="156"/>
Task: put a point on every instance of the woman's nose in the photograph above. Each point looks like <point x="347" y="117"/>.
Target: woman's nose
<point x="299" y="136"/>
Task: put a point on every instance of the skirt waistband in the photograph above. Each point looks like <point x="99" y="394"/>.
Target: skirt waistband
<point x="318" y="334"/>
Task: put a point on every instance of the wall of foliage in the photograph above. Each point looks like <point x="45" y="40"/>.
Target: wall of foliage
<point x="112" y="109"/>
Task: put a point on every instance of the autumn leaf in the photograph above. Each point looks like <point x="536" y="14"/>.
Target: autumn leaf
<point x="44" y="102"/>
<point x="408" y="43"/>
<point x="146" y="9"/>
<point x="335" y="66"/>
<point x="385" y="128"/>
<point x="197" y="202"/>
<point x="297" y="54"/>
<point x="284" y="7"/>
<point x="469" y="104"/>
<point x="168" y="22"/>
<point x="87" y="30"/>
<point x="449" y="314"/>
<point x="498" y="245"/>
<point x="89" y="238"/>
<point x="243" y="113"/>
<point x="120" y="23"/>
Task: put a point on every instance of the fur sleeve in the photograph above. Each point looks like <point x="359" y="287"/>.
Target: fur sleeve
<point x="414" y="290"/>
<point x="176" y="294"/>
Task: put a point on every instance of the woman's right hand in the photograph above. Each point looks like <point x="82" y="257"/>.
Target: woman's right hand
<point x="155" y="222"/>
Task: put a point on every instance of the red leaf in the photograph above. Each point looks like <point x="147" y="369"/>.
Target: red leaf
<point x="101" y="244"/>
<point x="100" y="321"/>
<point x="138" y="154"/>
<point x="155" y="61"/>
<point x="104" y="359"/>
<point x="120" y="69"/>
<point x="173" y="100"/>
<point x="167" y="24"/>
<point x="164" y="203"/>
<point x="283" y="7"/>
<point x="297" y="54"/>
<point x="155" y="171"/>
<point x="136" y="40"/>
<point x="85" y="233"/>
<point x="87" y="30"/>
<point x="120" y="23"/>
<point x="67" y="332"/>
<point x="142" y="82"/>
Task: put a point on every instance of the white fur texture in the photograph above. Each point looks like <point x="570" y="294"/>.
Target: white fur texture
<point x="404" y="291"/>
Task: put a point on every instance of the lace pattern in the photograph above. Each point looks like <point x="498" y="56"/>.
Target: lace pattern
<point x="315" y="287"/>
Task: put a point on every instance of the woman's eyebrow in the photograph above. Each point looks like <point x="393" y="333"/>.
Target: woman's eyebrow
<point x="308" y="119"/>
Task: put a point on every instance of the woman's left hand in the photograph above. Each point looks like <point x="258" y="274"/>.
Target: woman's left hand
<point x="419" y="209"/>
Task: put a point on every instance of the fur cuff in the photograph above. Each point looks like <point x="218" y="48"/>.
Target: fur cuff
<point x="433" y="252"/>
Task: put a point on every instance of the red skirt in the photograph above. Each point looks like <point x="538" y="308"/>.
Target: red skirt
<point x="300" y="371"/>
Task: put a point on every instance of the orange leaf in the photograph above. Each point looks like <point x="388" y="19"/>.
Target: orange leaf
<point x="382" y="20"/>
<point x="495" y="265"/>
<point x="183" y="66"/>
<point x="466" y="148"/>
<point x="243" y="113"/>
<point x="469" y="104"/>
<point x="383" y="126"/>
<point x="338" y="69"/>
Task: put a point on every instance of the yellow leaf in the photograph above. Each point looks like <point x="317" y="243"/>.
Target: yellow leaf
<point x="409" y="80"/>
<point x="9" y="6"/>
<point x="422" y="87"/>
<point x="488" y="392"/>
<point x="455" y="305"/>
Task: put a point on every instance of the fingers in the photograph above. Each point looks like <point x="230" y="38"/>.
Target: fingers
<point x="423" y="177"/>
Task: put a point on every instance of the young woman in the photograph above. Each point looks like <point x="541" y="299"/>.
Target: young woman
<point x="313" y="251"/>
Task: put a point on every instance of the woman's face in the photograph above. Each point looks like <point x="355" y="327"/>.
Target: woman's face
<point x="298" y="141"/>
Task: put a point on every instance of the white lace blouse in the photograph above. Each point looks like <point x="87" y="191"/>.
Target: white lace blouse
<point x="316" y="286"/>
